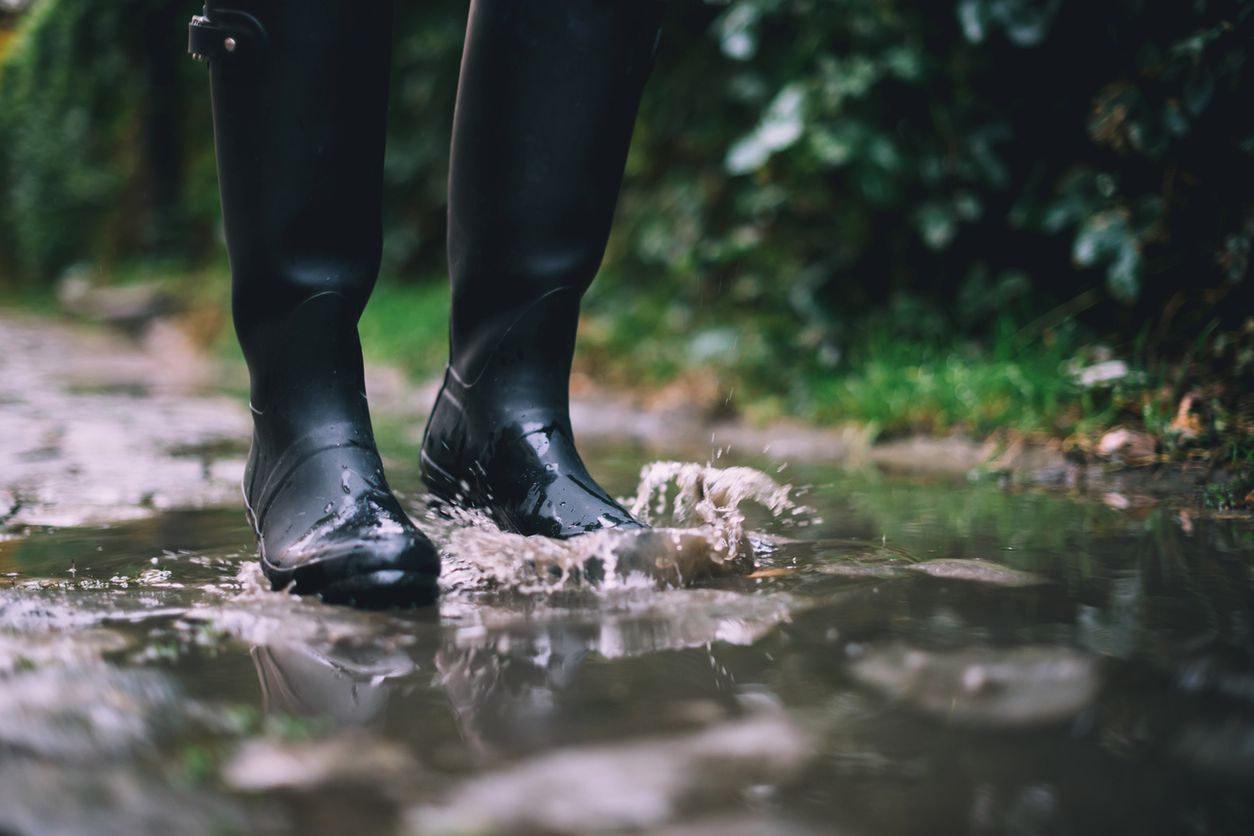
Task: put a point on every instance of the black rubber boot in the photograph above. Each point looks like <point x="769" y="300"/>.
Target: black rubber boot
<point x="545" y="108"/>
<point x="299" y="111"/>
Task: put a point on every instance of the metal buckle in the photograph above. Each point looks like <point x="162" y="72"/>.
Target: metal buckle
<point x="230" y="34"/>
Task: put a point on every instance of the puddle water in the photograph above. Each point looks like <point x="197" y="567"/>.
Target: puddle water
<point x="898" y="657"/>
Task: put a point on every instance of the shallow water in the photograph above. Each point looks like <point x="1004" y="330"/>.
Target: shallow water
<point x="905" y="656"/>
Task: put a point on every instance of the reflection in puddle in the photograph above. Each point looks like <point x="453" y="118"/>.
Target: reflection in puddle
<point x="624" y="786"/>
<point x="908" y="652"/>
<point x="983" y="686"/>
<point x="349" y="685"/>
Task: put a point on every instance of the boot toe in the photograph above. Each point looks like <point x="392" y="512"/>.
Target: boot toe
<point x="368" y="554"/>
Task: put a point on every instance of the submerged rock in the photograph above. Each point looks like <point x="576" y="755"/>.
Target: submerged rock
<point x="352" y="759"/>
<point x="983" y="686"/>
<point x="37" y="650"/>
<point x="627" y="786"/>
<point x="77" y="800"/>
<point x="87" y="712"/>
<point x="976" y="571"/>
<point x="856" y="569"/>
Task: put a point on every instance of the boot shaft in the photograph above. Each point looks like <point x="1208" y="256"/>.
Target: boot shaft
<point x="300" y="116"/>
<point x="299" y="91"/>
<point x="545" y="108"/>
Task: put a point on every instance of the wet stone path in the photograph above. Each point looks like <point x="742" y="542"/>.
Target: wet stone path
<point x="851" y="653"/>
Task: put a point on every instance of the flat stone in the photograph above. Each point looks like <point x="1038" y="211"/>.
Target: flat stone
<point x="354" y="758"/>
<point x="988" y="687"/>
<point x="622" y="786"/>
<point x="976" y="571"/>
<point x="83" y="713"/>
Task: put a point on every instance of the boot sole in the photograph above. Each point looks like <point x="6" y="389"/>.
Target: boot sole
<point x="381" y="589"/>
<point x="385" y="589"/>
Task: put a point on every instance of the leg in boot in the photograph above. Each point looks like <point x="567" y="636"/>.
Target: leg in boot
<point x="299" y="106"/>
<point x="545" y="107"/>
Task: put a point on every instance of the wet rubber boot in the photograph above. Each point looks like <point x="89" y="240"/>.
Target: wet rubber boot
<point x="545" y="108"/>
<point x="299" y="111"/>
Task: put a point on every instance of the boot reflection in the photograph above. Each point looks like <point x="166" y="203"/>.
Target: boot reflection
<point x="503" y="690"/>
<point x="350" y="685"/>
<point x="516" y="686"/>
<point x="506" y="691"/>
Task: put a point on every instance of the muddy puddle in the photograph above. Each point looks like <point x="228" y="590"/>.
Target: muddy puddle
<point x="808" y="651"/>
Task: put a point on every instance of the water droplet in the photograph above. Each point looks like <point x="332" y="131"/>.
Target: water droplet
<point x="328" y="508"/>
<point x="344" y="481"/>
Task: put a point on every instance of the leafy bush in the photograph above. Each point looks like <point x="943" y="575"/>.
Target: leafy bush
<point x="91" y="158"/>
<point x="815" y="165"/>
<point x="60" y="136"/>
<point x="820" y="158"/>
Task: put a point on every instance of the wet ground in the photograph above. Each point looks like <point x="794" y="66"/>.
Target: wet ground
<point x="904" y="654"/>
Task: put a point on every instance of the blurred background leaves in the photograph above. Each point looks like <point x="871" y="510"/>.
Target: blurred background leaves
<point x="813" y="183"/>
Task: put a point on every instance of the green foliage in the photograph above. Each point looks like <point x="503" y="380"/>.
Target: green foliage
<point x="407" y="326"/>
<point x="75" y="178"/>
<point x="62" y="159"/>
<point x="910" y="387"/>
<point x="820" y="158"/>
<point x="426" y="55"/>
<point x="813" y="183"/>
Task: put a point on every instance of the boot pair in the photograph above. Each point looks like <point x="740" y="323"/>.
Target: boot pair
<point x="545" y="106"/>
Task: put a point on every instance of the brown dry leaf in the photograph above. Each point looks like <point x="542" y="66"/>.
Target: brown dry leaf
<point x="1186" y="423"/>
<point x="774" y="572"/>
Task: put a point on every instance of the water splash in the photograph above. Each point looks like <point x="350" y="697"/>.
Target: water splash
<point x="709" y="496"/>
<point x="704" y="536"/>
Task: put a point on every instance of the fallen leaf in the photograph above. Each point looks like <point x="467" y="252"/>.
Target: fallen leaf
<point x="1186" y="423"/>
<point x="773" y="572"/>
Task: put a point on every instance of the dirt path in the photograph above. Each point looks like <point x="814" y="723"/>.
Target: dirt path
<point x="96" y="428"/>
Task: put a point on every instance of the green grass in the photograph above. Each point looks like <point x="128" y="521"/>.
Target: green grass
<point x="35" y="299"/>
<point x="406" y="325"/>
<point x="631" y="339"/>
<point x="890" y="373"/>
<point x="902" y="386"/>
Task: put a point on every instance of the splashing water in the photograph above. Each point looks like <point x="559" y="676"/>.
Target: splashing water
<point x="706" y="537"/>
<point x="710" y="496"/>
